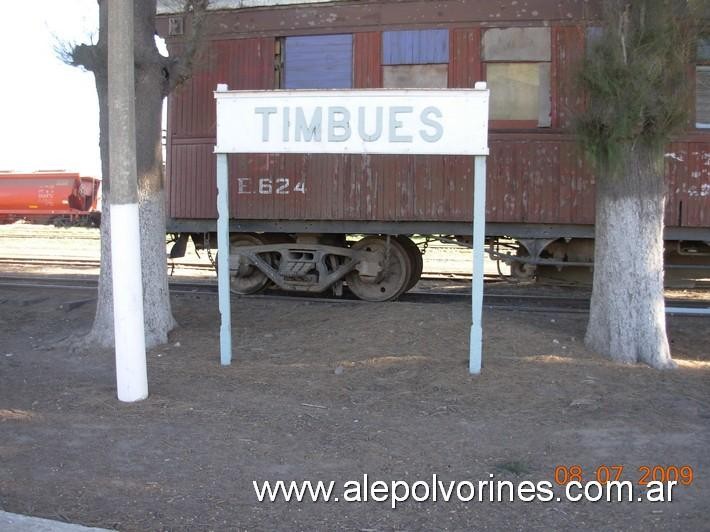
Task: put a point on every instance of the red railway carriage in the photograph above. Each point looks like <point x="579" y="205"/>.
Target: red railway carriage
<point x="46" y="196"/>
<point x="292" y="207"/>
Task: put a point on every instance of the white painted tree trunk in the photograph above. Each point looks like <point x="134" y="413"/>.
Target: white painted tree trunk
<point x="101" y="333"/>
<point x="627" y="321"/>
<point x="159" y="320"/>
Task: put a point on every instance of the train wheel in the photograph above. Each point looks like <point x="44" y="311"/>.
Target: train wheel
<point x="244" y="277"/>
<point x="395" y="276"/>
<point x="522" y="271"/>
<point x="415" y="259"/>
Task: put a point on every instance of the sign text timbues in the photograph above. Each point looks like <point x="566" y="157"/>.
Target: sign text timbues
<point x="381" y="121"/>
<point x="339" y="124"/>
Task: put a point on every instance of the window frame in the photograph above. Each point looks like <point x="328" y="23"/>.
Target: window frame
<point x="281" y="60"/>
<point x="704" y="64"/>
<point x="520" y="124"/>
<point x="517" y="123"/>
<point x="386" y="63"/>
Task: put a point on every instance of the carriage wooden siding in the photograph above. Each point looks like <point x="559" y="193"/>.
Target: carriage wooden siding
<point x="534" y="176"/>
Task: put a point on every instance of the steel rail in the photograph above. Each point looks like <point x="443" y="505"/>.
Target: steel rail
<point x="511" y="302"/>
<point x="54" y="261"/>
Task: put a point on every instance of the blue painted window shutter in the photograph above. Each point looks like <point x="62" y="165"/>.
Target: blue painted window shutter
<point x="319" y="62"/>
<point x="417" y="47"/>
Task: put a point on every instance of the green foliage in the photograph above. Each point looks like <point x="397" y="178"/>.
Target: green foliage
<point x="636" y="78"/>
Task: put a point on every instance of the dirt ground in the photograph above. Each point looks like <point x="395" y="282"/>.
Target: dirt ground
<point x="332" y="391"/>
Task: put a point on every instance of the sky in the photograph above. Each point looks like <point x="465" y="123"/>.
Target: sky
<point x="48" y="110"/>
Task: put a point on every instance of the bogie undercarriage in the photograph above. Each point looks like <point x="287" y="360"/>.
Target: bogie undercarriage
<point x="382" y="267"/>
<point x="573" y="258"/>
<point x="374" y="267"/>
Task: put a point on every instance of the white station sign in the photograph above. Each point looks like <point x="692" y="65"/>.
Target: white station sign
<point x="445" y="122"/>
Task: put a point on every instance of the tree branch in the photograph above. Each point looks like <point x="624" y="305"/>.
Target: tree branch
<point x="624" y="23"/>
<point x="179" y="69"/>
<point x="87" y="56"/>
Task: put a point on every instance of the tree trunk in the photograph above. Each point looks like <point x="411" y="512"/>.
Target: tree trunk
<point x="158" y="317"/>
<point x="101" y="333"/>
<point x="150" y="91"/>
<point x="151" y="86"/>
<point x="159" y="320"/>
<point x="627" y="321"/>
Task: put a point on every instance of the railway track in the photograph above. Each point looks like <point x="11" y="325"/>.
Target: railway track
<point x="48" y="236"/>
<point x="427" y="275"/>
<point x="494" y="301"/>
<point x="47" y="261"/>
<point x="93" y="263"/>
<point x="82" y="263"/>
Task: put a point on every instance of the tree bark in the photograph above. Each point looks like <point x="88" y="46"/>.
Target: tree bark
<point x="94" y="58"/>
<point x="159" y="320"/>
<point x="151" y="88"/>
<point x="151" y="80"/>
<point x="627" y="321"/>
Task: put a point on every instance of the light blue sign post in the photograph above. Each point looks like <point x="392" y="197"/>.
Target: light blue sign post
<point x="478" y="241"/>
<point x="388" y="121"/>
<point x="225" y="307"/>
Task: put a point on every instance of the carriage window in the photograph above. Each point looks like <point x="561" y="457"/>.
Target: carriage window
<point x="415" y="76"/>
<point x="702" y="97"/>
<point x="415" y="59"/>
<point x="520" y="92"/>
<point x="594" y="34"/>
<point x="702" y="84"/>
<point x="517" y="66"/>
<point x="318" y="62"/>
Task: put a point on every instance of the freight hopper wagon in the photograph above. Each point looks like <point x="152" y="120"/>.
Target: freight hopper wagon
<point x="53" y="196"/>
<point x="293" y="215"/>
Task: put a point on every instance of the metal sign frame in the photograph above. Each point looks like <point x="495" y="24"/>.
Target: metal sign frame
<point x="426" y="121"/>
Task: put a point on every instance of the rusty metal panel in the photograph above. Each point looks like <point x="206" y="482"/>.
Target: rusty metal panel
<point x="347" y="187"/>
<point x="241" y="64"/>
<point x="287" y="186"/>
<point x="503" y="199"/>
<point x="688" y="190"/>
<point x="568" y="49"/>
<point x="460" y="172"/>
<point x="178" y="7"/>
<point x="577" y="199"/>
<point x="545" y="160"/>
<point x="697" y="192"/>
<point x="688" y="184"/>
<point x="354" y="187"/>
<point x="192" y="186"/>
<point x="529" y="181"/>
<point x="538" y="181"/>
<point x="367" y="61"/>
<point x="676" y="166"/>
<point x="465" y="62"/>
<point x="372" y="16"/>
